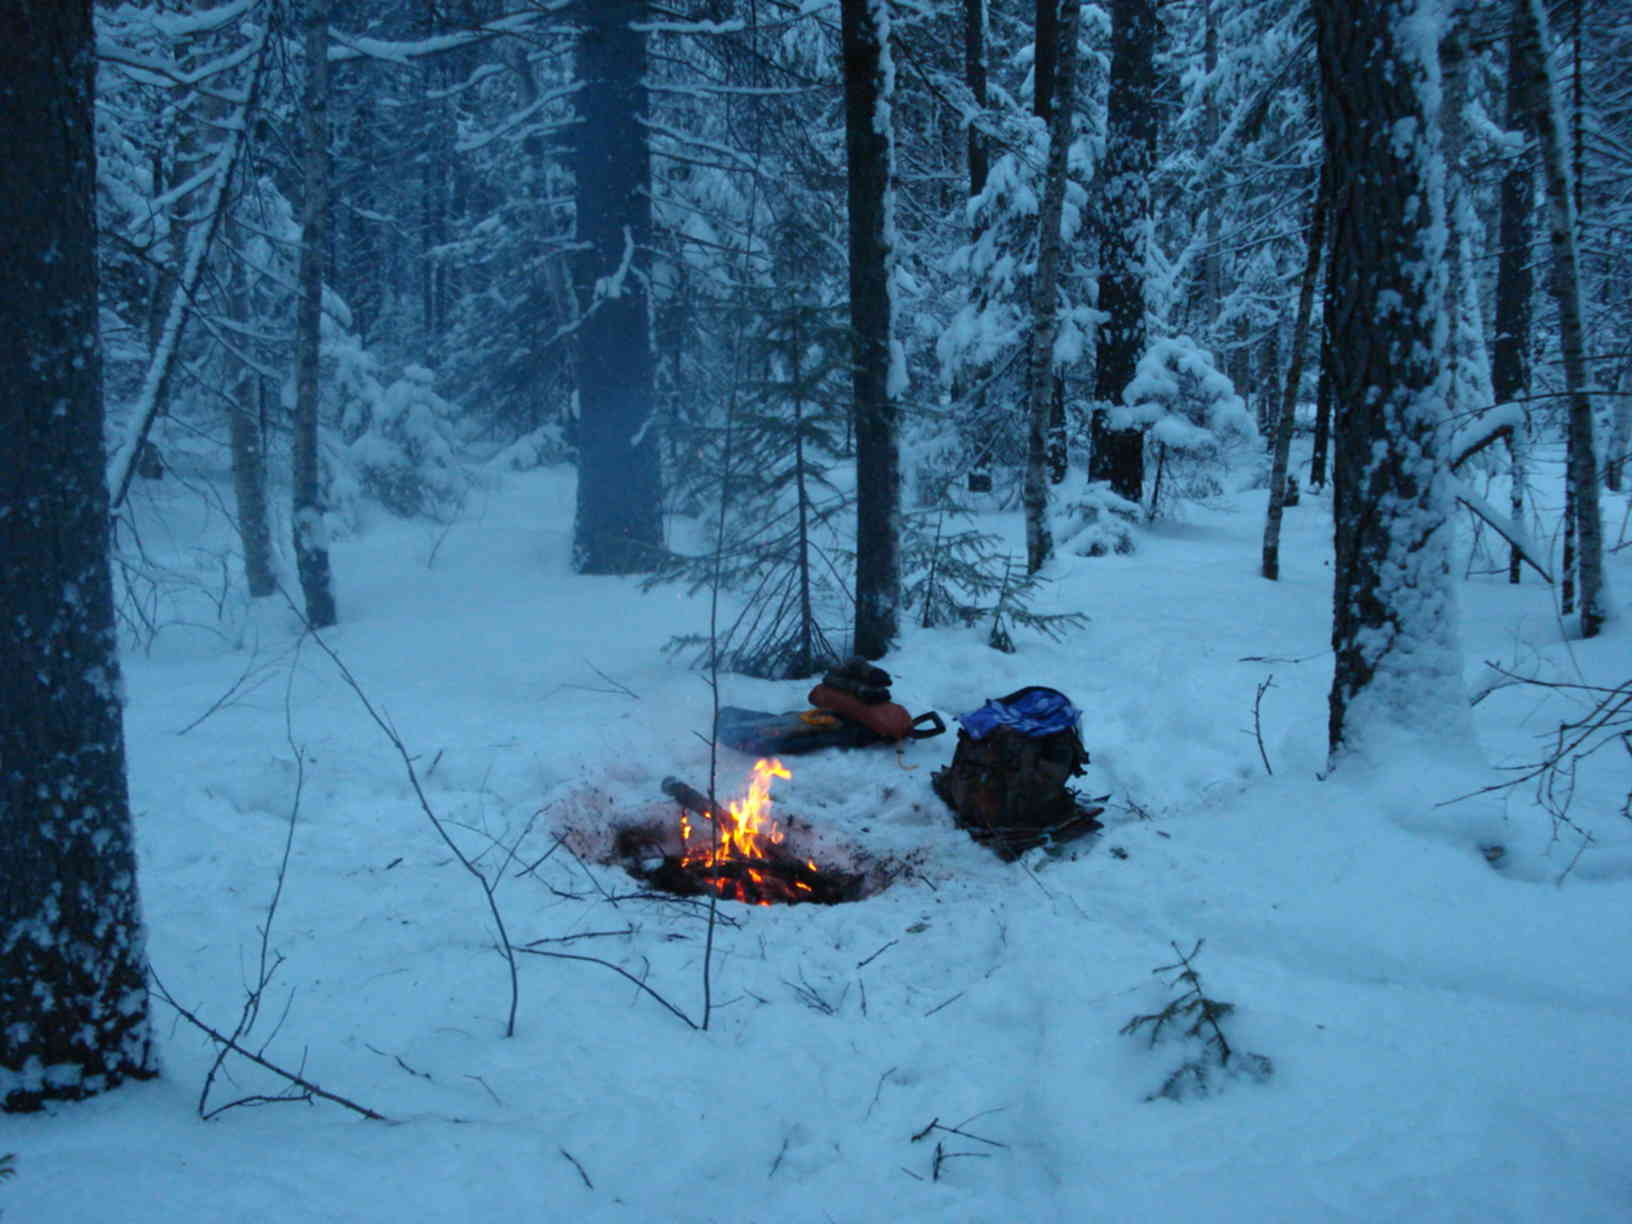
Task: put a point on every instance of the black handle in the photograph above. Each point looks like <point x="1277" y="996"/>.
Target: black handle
<point x="936" y="726"/>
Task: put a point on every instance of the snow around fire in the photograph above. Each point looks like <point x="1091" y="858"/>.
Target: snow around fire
<point x="1446" y="1022"/>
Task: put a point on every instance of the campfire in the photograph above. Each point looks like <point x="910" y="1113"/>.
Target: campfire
<point x="742" y="853"/>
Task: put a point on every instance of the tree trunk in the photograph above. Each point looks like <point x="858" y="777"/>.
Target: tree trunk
<point x="974" y="75"/>
<point x="1398" y="664"/>
<point x="1119" y="454"/>
<point x="1046" y="301"/>
<point x="1509" y="358"/>
<point x="1323" y="402"/>
<point x="619" y="524"/>
<point x="868" y="82"/>
<point x="1051" y="46"/>
<point x="245" y="440"/>
<point x="1587" y="520"/>
<point x="73" y="966"/>
<point x="1294" y="377"/>
<point x="974" y="69"/>
<point x="311" y="538"/>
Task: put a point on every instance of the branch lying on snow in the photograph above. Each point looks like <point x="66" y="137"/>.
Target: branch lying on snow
<point x="307" y="1089"/>
<point x="1608" y="721"/>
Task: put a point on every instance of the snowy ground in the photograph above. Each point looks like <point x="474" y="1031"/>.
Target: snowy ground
<point x="1449" y="1040"/>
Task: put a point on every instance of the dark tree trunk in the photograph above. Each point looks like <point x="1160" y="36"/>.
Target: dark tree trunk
<point x="1119" y="454"/>
<point x="1510" y="350"/>
<point x="73" y="967"/>
<point x="1397" y="659"/>
<point x="1323" y="402"/>
<point x="1584" y="512"/>
<point x="1042" y="380"/>
<point x="1294" y="378"/>
<point x="870" y="155"/>
<point x="974" y="69"/>
<point x="247" y="443"/>
<point x="1053" y="44"/>
<point x="619" y="524"/>
<point x="974" y="75"/>
<point x="311" y="538"/>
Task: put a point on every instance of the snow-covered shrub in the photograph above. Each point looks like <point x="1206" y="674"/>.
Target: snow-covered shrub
<point x="1192" y="416"/>
<point x="402" y="445"/>
<point x="1188" y="403"/>
<point x="1096" y="522"/>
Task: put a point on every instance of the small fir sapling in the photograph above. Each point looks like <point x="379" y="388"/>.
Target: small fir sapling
<point x="1187" y="406"/>
<point x="781" y="541"/>
<point x="1096" y="522"/>
<point x="963" y="577"/>
<point x="1200" y="1017"/>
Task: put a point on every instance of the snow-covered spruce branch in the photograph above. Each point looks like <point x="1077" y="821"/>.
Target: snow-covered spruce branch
<point x="165" y="354"/>
<point x="489" y="886"/>
<point x="1204" y="1015"/>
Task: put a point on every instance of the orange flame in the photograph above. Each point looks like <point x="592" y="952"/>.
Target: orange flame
<point x="744" y="831"/>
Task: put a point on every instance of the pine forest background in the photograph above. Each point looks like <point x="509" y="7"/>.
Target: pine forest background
<point x="616" y="235"/>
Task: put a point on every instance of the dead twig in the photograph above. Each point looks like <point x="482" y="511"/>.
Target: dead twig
<point x="617" y="969"/>
<point x="1257" y="719"/>
<point x="307" y="1088"/>
<point x="573" y="1161"/>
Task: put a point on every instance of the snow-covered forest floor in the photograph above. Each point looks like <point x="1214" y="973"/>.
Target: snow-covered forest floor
<point x="1449" y="1039"/>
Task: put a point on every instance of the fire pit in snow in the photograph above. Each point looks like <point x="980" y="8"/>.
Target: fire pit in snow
<point x="741" y="853"/>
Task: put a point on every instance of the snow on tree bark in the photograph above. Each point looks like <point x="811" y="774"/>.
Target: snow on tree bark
<point x="1398" y="665"/>
<point x="311" y="539"/>
<point x="73" y="967"/>
<point x="618" y="528"/>
<point x="868" y="80"/>
<point x="1046" y="302"/>
<point x="1119" y="453"/>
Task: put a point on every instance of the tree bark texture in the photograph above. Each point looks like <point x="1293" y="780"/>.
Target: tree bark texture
<point x="1510" y="349"/>
<point x="1536" y="72"/>
<point x="1045" y="326"/>
<point x="1119" y="454"/>
<point x="1323" y="403"/>
<point x="974" y="75"/>
<point x="864" y="33"/>
<point x="1398" y="663"/>
<point x="73" y="967"/>
<point x="619" y="524"/>
<point x="246" y="440"/>
<point x="311" y="539"/>
<point x="1294" y="378"/>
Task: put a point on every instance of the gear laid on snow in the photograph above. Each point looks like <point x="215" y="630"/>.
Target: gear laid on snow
<point x="1008" y="783"/>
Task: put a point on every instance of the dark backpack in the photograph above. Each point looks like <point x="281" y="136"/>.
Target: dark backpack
<point x="1009" y="780"/>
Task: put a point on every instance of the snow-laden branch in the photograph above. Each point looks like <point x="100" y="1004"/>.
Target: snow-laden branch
<point x="163" y="364"/>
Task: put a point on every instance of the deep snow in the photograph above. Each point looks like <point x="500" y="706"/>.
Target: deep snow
<point x="1449" y="1038"/>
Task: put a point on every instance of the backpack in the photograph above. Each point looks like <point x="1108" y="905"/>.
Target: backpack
<point x="1009" y="780"/>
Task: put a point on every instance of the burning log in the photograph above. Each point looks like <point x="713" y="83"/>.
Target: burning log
<point x="688" y="797"/>
<point x="744" y="857"/>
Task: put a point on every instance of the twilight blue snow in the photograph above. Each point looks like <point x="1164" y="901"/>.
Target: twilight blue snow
<point x="1032" y="712"/>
